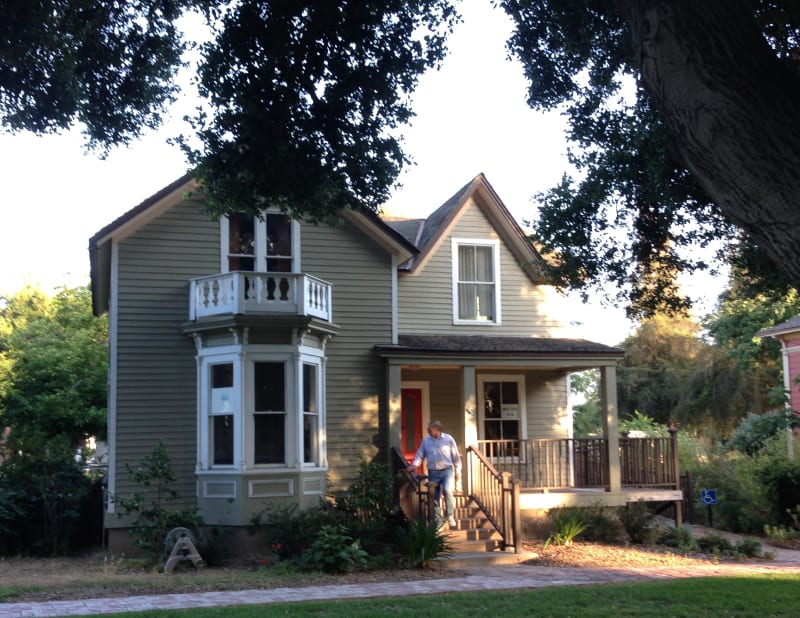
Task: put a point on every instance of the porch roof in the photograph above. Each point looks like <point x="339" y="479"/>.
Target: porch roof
<point x="500" y="347"/>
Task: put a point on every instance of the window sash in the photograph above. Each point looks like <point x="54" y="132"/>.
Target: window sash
<point x="476" y="286"/>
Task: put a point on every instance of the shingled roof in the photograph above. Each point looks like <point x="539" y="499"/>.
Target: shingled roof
<point x="427" y="234"/>
<point x="492" y="345"/>
<point x="784" y="328"/>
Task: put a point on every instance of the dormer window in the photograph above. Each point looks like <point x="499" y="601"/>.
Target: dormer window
<point x="264" y="244"/>
<point x="476" y="281"/>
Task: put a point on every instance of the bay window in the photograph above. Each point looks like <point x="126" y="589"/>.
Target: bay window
<point x="261" y="407"/>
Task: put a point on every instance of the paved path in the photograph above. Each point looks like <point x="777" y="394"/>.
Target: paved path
<point x="473" y="578"/>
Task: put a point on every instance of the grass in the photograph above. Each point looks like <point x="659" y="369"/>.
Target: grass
<point x="760" y="596"/>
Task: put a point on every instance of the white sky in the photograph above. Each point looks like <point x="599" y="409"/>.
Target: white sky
<point x="471" y="118"/>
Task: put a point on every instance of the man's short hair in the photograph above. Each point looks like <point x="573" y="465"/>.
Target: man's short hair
<point x="435" y="424"/>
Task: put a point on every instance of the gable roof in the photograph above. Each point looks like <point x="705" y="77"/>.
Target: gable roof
<point x="428" y="234"/>
<point x="136" y="218"/>
<point x="789" y="327"/>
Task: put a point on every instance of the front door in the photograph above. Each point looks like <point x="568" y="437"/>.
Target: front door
<point x="411" y="421"/>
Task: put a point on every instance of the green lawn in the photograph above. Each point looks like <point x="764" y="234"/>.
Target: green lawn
<point x="756" y="597"/>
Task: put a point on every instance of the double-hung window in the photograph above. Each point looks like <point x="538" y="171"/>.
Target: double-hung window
<point x="476" y="281"/>
<point x="502" y="413"/>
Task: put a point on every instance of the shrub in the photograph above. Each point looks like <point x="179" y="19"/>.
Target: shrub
<point x="717" y="545"/>
<point x="421" y="543"/>
<point x="568" y="523"/>
<point x="637" y="519"/>
<point x="602" y="524"/>
<point x="744" y="504"/>
<point x="370" y="498"/>
<point x="44" y="493"/>
<point x="755" y="431"/>
<point x="334" y="551"/>
<point x="153" y="512"/>
<point x="287" y="531"/>
<point x="680" y="538"/>
<point x="750" y="548"/>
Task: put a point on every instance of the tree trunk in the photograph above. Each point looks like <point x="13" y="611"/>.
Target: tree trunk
<point x="733" y="111"/>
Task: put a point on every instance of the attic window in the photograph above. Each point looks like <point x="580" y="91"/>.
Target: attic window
<point x="476" y="281"/>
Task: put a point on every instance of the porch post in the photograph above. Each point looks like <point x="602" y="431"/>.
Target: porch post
<point x="470" y="400"/>
<point x="393" y="397"/>
<point x="611" y="425"/>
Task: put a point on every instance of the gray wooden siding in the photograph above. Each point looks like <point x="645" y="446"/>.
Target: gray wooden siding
<point x="426" y="300"/>
<point x="360" y="272"/>
<point x="156" y="388"/>
<point x="546" y="402"/>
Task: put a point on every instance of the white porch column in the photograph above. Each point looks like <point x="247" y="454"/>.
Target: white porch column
<point x="608" y="384"/>
<point x="470" y="399"/>
<point x="394" y="402"/>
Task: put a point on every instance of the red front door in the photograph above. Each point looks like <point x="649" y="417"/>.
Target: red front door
<point x="411" y="421"/>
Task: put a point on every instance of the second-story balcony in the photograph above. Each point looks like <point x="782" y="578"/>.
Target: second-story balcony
<point x="259" y="293"/>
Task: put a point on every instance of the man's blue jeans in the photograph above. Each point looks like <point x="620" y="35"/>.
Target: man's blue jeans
<point x="445" y="483"/>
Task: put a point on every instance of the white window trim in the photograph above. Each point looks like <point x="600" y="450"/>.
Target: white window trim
<point x="522" y="393"/>
<point x="261" y="243"/>
<point x="311" y="356"/>
<point x="487" y="242"/>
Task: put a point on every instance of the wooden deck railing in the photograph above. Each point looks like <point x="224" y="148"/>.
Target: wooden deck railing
<point x="497" y="494"/>
<point x="583" y="463"/>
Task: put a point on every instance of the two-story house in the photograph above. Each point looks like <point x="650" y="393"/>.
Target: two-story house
<point x="270" y="354"/>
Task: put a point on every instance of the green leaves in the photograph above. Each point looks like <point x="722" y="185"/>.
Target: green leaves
<point x="303" y="100"/>
<point x="53" y="368"/>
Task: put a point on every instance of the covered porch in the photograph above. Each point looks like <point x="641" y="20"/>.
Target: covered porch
<point x="505" y="400"/>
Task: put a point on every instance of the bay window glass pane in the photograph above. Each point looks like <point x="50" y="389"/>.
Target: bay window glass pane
<point x="310" y="436"/>
<point x="222" y="375"/>
<point x="269" y="439"/>
<point x="309" y="388"/>
<point x="222" y="439"/>
<point x="269" y="387"/>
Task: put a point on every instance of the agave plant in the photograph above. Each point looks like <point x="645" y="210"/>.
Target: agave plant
<point x="421" y="543"/>
<point x="567" y="524"/>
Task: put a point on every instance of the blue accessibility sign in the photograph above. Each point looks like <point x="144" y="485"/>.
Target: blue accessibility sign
<point x="708" y="496"/>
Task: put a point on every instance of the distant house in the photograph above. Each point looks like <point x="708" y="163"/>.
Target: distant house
<point x="788" y="333"/>
<point x="270" y="354"/>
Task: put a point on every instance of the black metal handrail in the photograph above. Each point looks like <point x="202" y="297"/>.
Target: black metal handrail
<point x="413" y="495"/>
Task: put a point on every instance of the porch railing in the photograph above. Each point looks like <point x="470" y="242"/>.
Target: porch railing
<point x="497" y="494"/>
<point x="583" y="462"/>
<point x="260" y="293"/>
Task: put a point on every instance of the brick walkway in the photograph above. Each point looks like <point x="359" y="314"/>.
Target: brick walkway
<point x="474" y="578"/>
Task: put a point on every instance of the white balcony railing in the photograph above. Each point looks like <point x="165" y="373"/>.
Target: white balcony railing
<point x="260" y="294"/>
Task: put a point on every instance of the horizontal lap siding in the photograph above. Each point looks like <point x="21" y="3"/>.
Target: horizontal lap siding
<point x="546" y="403"/>
<point x="426" y="299"/>
<point x="156" y="392"/>
<point x="361" y="274"/>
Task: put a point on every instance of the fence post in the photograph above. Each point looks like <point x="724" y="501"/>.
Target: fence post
<point x="673" y="434"/>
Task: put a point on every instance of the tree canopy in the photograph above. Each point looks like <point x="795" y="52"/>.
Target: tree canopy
<point x="53" y="370"/>
<point x="685" y="119"/>
<point x="685" y="116"/>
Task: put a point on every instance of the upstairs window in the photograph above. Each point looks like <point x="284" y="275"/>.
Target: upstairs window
<point x="267" y="244"/>
<point x="476" y="281"/>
